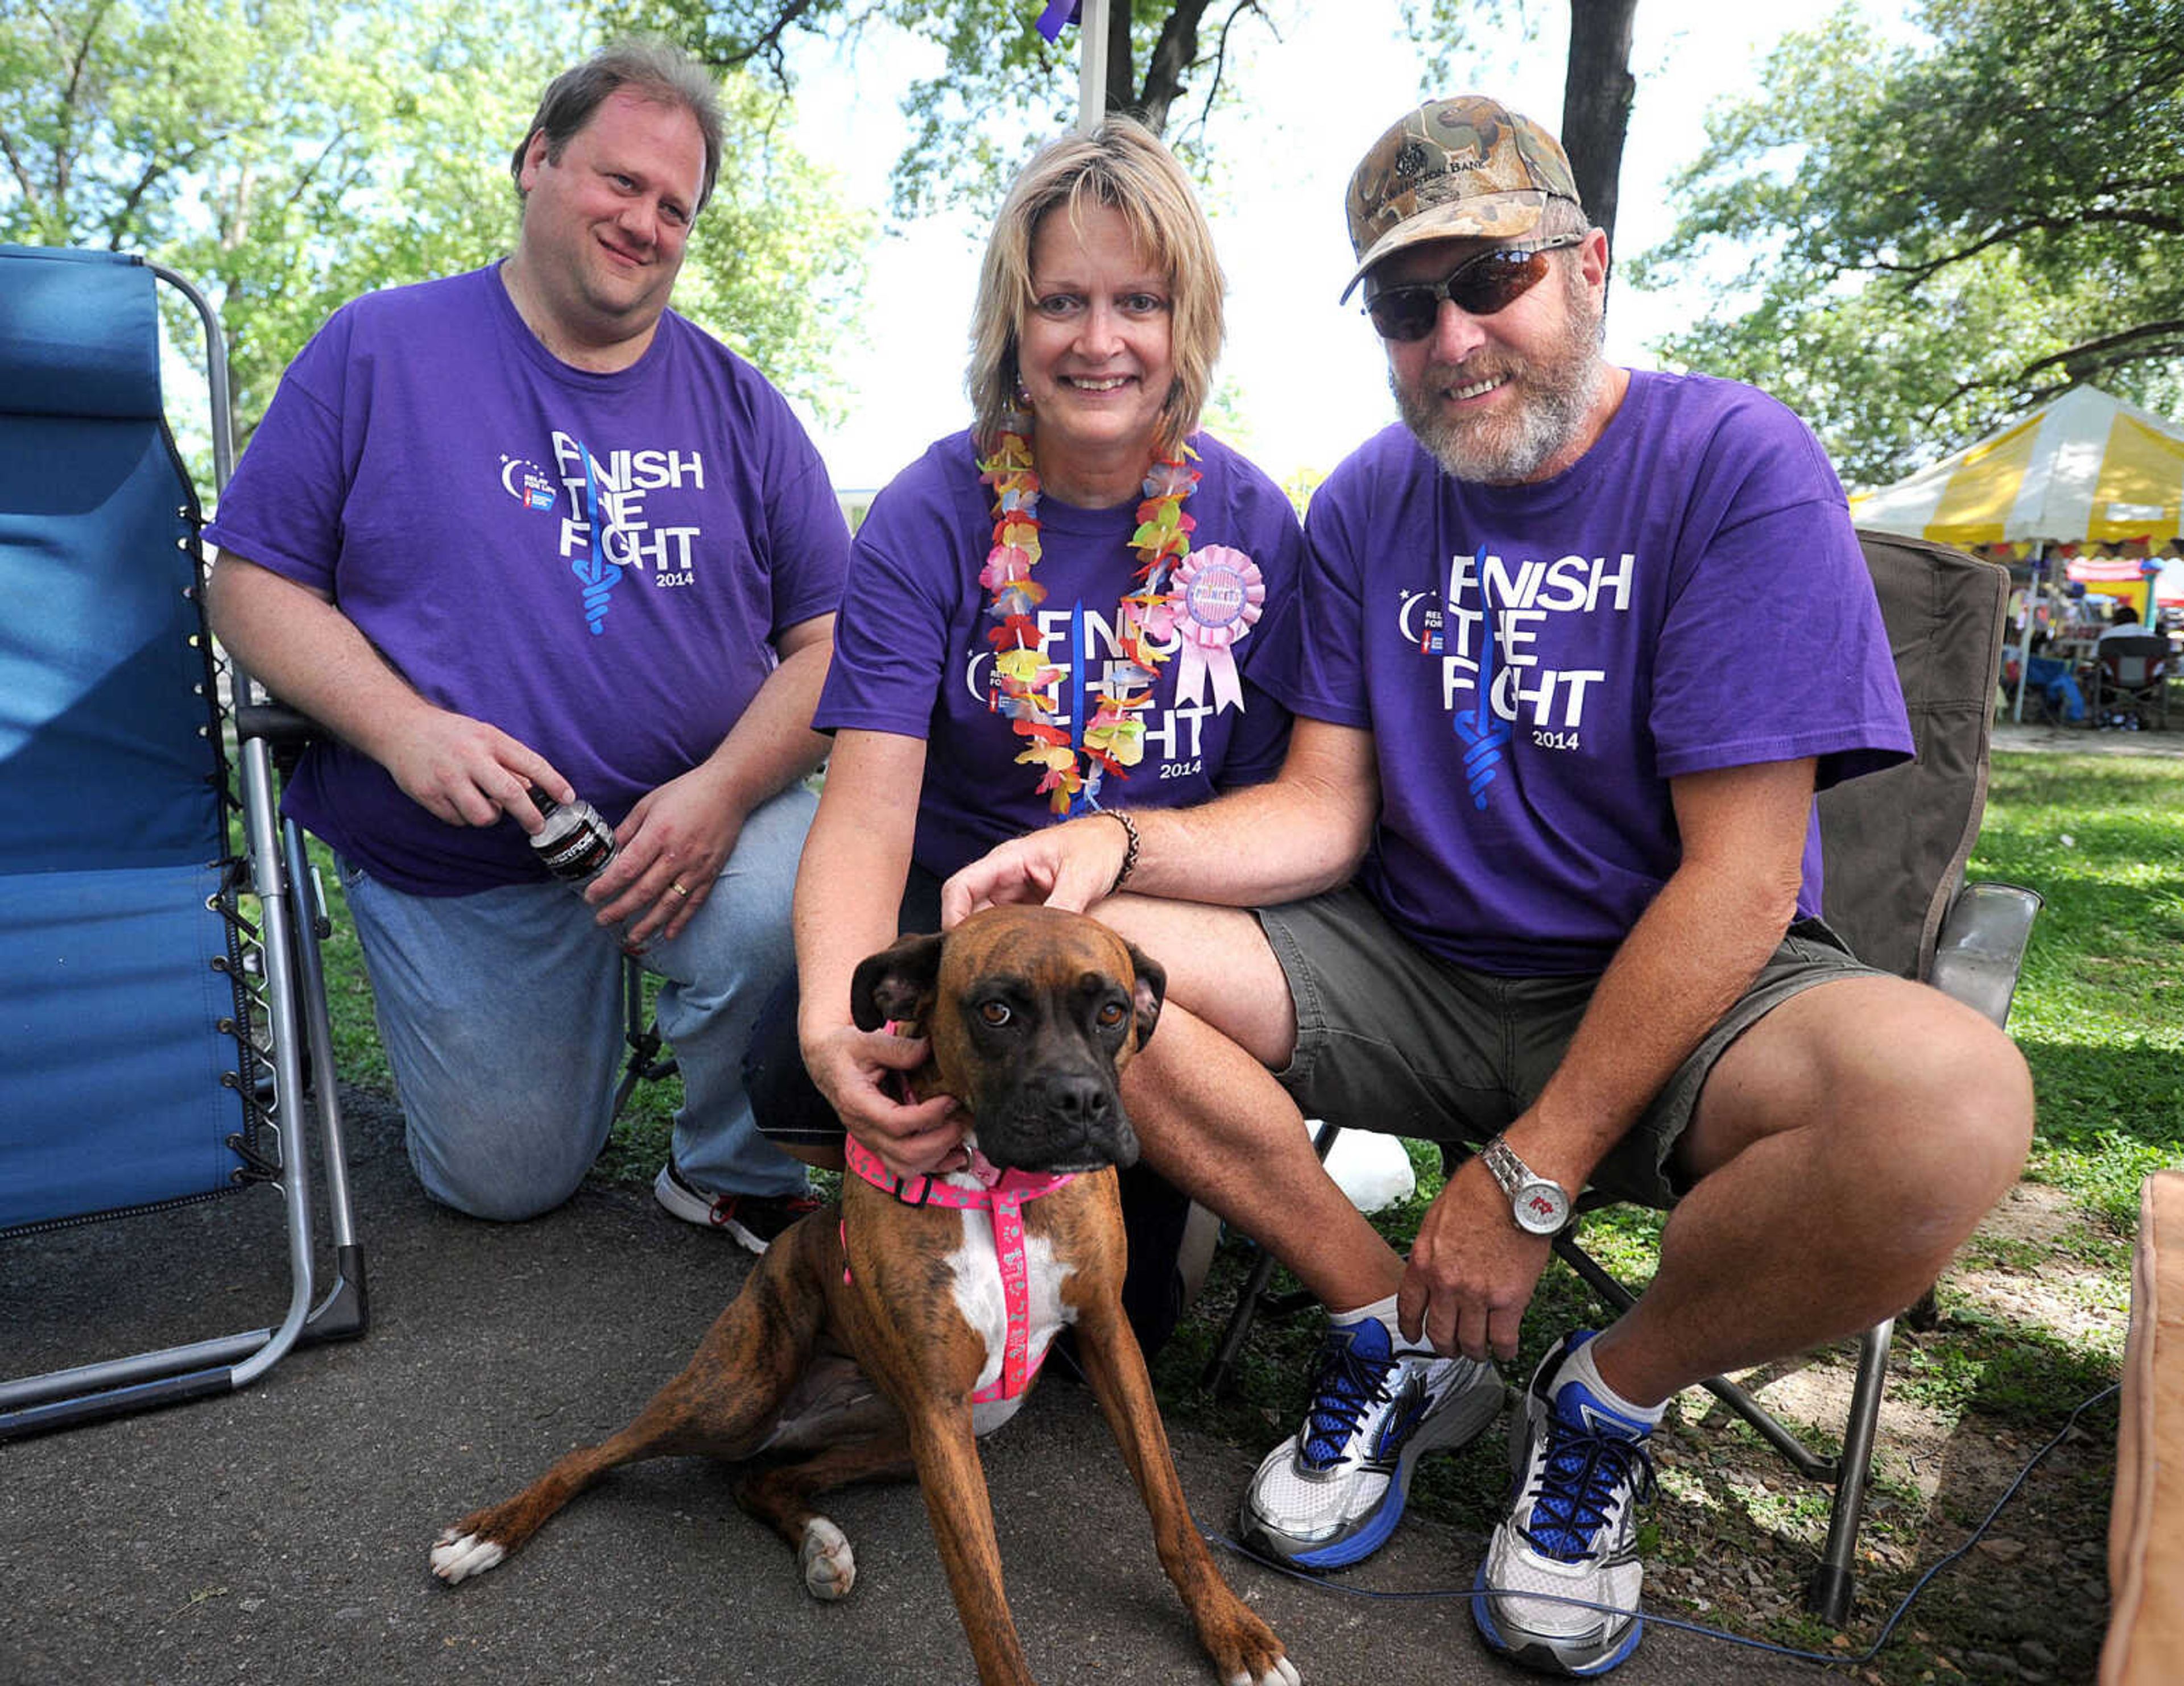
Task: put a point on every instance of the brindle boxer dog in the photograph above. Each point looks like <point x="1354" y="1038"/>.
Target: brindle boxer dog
<point x="1032" y="1014"/>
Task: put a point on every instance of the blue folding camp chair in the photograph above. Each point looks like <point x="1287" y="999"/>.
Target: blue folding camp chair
<point x="164" y="1037"/>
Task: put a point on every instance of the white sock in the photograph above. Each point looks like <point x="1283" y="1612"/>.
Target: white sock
<point x="1384" y="1310"/>
<point x="1579" y="1367"/>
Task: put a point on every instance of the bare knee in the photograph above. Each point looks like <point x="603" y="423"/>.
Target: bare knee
<point x="1980" y="1102"/>
<point x="1219" y="967"/>
<point x="1888" y="1083"/>
<point x="1945" y="1130"/>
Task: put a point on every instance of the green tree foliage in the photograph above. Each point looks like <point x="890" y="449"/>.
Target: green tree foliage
<point x="778" y="258"/>
<point x="1004" y="89"/>
<point x="1945" y="233"/>
<point x="287" y="155"/>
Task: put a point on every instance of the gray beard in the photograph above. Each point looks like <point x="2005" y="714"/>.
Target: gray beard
<point x="1556" y="395"/>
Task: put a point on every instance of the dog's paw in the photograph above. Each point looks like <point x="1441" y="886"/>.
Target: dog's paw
<point x="1246" y="1653"/>
<point x="830" y="1569"/>
<point x="1281" y="1671"/>
<point x="457" y="1557"/>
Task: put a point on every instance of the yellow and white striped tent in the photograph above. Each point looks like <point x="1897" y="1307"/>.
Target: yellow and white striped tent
<point x="2085" y="468"/>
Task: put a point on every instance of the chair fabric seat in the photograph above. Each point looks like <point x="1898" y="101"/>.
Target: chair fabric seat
<point x="147" y="1118"/>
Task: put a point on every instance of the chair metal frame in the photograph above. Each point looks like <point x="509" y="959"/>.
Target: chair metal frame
<point x="1966" y="940"/>
<point x="286" y="1076"/>
<point x="648" y="1061"/>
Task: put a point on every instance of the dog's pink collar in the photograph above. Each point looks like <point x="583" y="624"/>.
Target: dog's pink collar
<point x="1002" y="1193"/>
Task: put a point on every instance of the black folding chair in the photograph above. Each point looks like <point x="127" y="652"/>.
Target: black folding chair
<point x="2130" y="680"/>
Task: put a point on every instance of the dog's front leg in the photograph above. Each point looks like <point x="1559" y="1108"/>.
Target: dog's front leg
<point x="1245" y="1650"/>
<point x="962" y="1513"/>
<point x="719" y="1406"/>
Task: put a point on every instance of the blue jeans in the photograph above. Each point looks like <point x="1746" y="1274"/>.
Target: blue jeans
<point x="501" y="1016"/>
<point x="2052" y="679"/>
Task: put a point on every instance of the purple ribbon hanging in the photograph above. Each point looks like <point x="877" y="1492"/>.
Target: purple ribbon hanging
<point x="1057" y="17"/>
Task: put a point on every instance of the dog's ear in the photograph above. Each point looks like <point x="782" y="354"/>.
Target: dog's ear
<point x="896" y="983"/>
<point x="1152" y="991"/>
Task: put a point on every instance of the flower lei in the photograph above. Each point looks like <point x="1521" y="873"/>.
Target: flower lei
<point x="1023" y="688"/>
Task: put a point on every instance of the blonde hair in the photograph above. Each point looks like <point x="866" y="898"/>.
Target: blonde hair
<point x="1121" y="165"/>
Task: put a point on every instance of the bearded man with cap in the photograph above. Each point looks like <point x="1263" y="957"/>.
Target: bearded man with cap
<point x="1540" y="874"/>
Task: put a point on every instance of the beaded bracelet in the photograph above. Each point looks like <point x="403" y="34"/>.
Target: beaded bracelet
<point x="1129" y="855"/>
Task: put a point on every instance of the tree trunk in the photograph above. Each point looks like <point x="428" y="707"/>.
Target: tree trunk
<point x="1596" y="94"/>
<point x="1172" y="55"/>
<point x="1121" y="82"/>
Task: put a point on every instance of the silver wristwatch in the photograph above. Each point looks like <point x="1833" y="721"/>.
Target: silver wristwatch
<point x="1538" y="1207"/>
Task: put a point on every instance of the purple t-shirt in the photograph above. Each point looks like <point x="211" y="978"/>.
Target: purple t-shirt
<point x="599" y="565"/>
<point x="911" y="653"/>
<point x="1536" y="662"/>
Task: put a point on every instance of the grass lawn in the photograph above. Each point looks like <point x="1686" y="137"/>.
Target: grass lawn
<point x="2032" y="1314"/>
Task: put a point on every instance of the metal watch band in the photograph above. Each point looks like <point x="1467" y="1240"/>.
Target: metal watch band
<point x="1508" y="1169"/>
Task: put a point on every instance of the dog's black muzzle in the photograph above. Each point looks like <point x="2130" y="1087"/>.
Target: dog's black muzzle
<point x="1057" y="1121"/>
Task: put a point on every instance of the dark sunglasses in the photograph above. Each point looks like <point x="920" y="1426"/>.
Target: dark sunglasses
<point x="1479" y="285"/>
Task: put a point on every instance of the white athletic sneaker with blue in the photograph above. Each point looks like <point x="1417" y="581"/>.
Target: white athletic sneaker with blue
<point x="1331" y="1494"/>
<point x="1582" y="1470"/>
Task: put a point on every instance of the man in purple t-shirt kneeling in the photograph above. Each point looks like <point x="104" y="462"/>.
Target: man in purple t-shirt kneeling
<point x="1541" y="872"/>
<point x="528" y="529"/>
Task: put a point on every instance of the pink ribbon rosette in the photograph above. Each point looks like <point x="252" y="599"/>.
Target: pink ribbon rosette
<point x="1218" y="593"/>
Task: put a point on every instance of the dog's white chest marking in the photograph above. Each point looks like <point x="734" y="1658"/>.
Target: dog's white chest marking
<point x="976" y="1268"/>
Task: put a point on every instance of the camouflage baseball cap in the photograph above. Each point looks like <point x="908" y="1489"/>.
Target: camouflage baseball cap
<point x="1462" y="167"/>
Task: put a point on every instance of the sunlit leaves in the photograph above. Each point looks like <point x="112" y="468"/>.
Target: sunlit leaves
<point x="287" y="155"/>
<point x="1934" y="237"/>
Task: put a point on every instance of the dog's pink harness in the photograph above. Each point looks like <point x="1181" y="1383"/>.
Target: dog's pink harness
<point x="1002" y="1193"/>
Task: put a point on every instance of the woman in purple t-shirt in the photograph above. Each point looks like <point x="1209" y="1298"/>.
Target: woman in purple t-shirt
<point x="1056" y="612"/>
